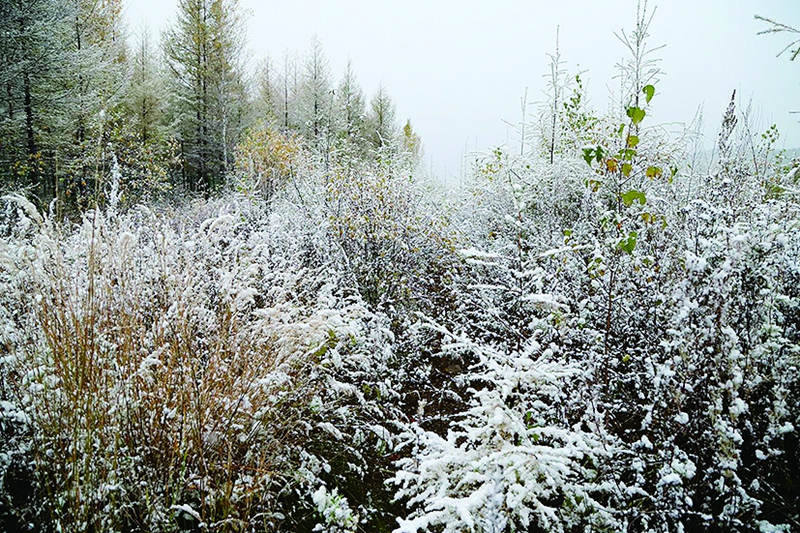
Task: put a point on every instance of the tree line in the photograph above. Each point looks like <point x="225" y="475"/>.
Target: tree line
<point x="79" y="99"/>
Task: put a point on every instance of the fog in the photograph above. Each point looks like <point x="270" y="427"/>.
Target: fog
<point x="458" y="70"/>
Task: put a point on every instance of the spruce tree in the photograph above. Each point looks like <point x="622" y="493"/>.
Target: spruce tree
<point x="203" y="51"/>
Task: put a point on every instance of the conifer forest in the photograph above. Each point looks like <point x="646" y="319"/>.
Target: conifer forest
<point x="234" y="298"/>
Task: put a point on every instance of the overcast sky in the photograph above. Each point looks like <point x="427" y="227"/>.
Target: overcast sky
<point x="457" y="69"/>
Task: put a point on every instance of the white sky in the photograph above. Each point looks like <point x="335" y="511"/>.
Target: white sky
<point x="457" y="68"/>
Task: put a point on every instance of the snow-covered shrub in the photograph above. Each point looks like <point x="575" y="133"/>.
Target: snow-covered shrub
<point x="394" y="241"/>
<point x="334" y="510"/>
<point x="510" y="461"/>
<point x="161" y="371"/>
<point x="659" y="310"/>
<point x="267" y="159"/>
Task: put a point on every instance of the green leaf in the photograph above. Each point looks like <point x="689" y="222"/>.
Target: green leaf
<point x="654" y="172"/>
<point x="633" y="140"/>
<point x="588" y="155"/>
<point x="636" y="114"/>
<point x="627" y="245"/>
<point x="621" y="129"/>
<point x="648" y="91"/>
<point x="599" y="153"/>
<point x="626" y="169"/>
<point x="633" y="195"/>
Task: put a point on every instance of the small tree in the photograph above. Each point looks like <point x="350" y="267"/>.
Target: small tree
<point x="381" y="125"/>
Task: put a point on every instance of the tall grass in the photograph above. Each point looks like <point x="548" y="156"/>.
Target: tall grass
<point x="162" y="378"/>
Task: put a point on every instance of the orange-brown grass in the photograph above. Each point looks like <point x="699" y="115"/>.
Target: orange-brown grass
<point x="146" y="390"/>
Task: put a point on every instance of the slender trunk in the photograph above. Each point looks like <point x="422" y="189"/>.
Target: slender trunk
<point x="555" y="80"/>
<point x="10" y="97"/>
<point x="348" y="107"/>
<point x="286" y="101"/>
<point x="224" y="141"/>
<point x="204" y="156"/>
<point x="553" y="134"/>
<point x="197" y="183"/>
<point x="144" y="121"/>
<point x="316" y="116"/>
<point x="197" y="172"/>
<point x="80" y="134"/>
<point x="28" y="114"/>
<point x="143" y="71"/>
<point x="183" y="165"/>
<point x="204" y="174"/>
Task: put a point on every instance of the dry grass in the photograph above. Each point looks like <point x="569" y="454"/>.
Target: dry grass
<point x="147" y="385"/>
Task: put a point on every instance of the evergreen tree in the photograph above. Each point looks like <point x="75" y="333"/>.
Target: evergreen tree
<point x="32" y="57"/>
<point x="144" y="104"/>
<point x="203" y="52"/>
<point x="269" y="95"/>
<point x="350" y="110"/>
<point x="315" y="97"/>
<point x="381" y="119"/>
<point x="95" y="82"/>
<point x="63" y="74"/>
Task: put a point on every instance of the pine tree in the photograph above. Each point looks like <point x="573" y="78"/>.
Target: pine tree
<point x="95" y="83"/>
<point x="63" y="74"/>
<point x="288" y="93"/>
<point x="32" y="57"/>
<point x="203" y="51"/>
<point x="381" y="120"/>
<point x="351" y="112"/>
<point x="144" y="104"/>
<point x="228" y="86"/>
<point x="315" y="97"/>
<point x="269" y="95"/>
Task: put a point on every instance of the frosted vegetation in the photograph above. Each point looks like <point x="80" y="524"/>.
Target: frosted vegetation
<point x="284" y="327"/>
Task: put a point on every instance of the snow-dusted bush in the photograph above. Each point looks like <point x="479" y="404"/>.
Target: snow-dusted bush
<point x="267" y="159"/>
<point x="510" y="460"/>
<point x="630" y="339"/>
<point x="394" y="241"/>
<point x="162" y="370"/>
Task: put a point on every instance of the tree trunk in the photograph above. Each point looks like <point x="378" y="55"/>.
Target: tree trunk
<point x="144" y="121"/>
<point x="28" y="114"/>
<point x="10" y="96"/>
<point x="286" y="100"/>
<point x="204" y="159"/>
